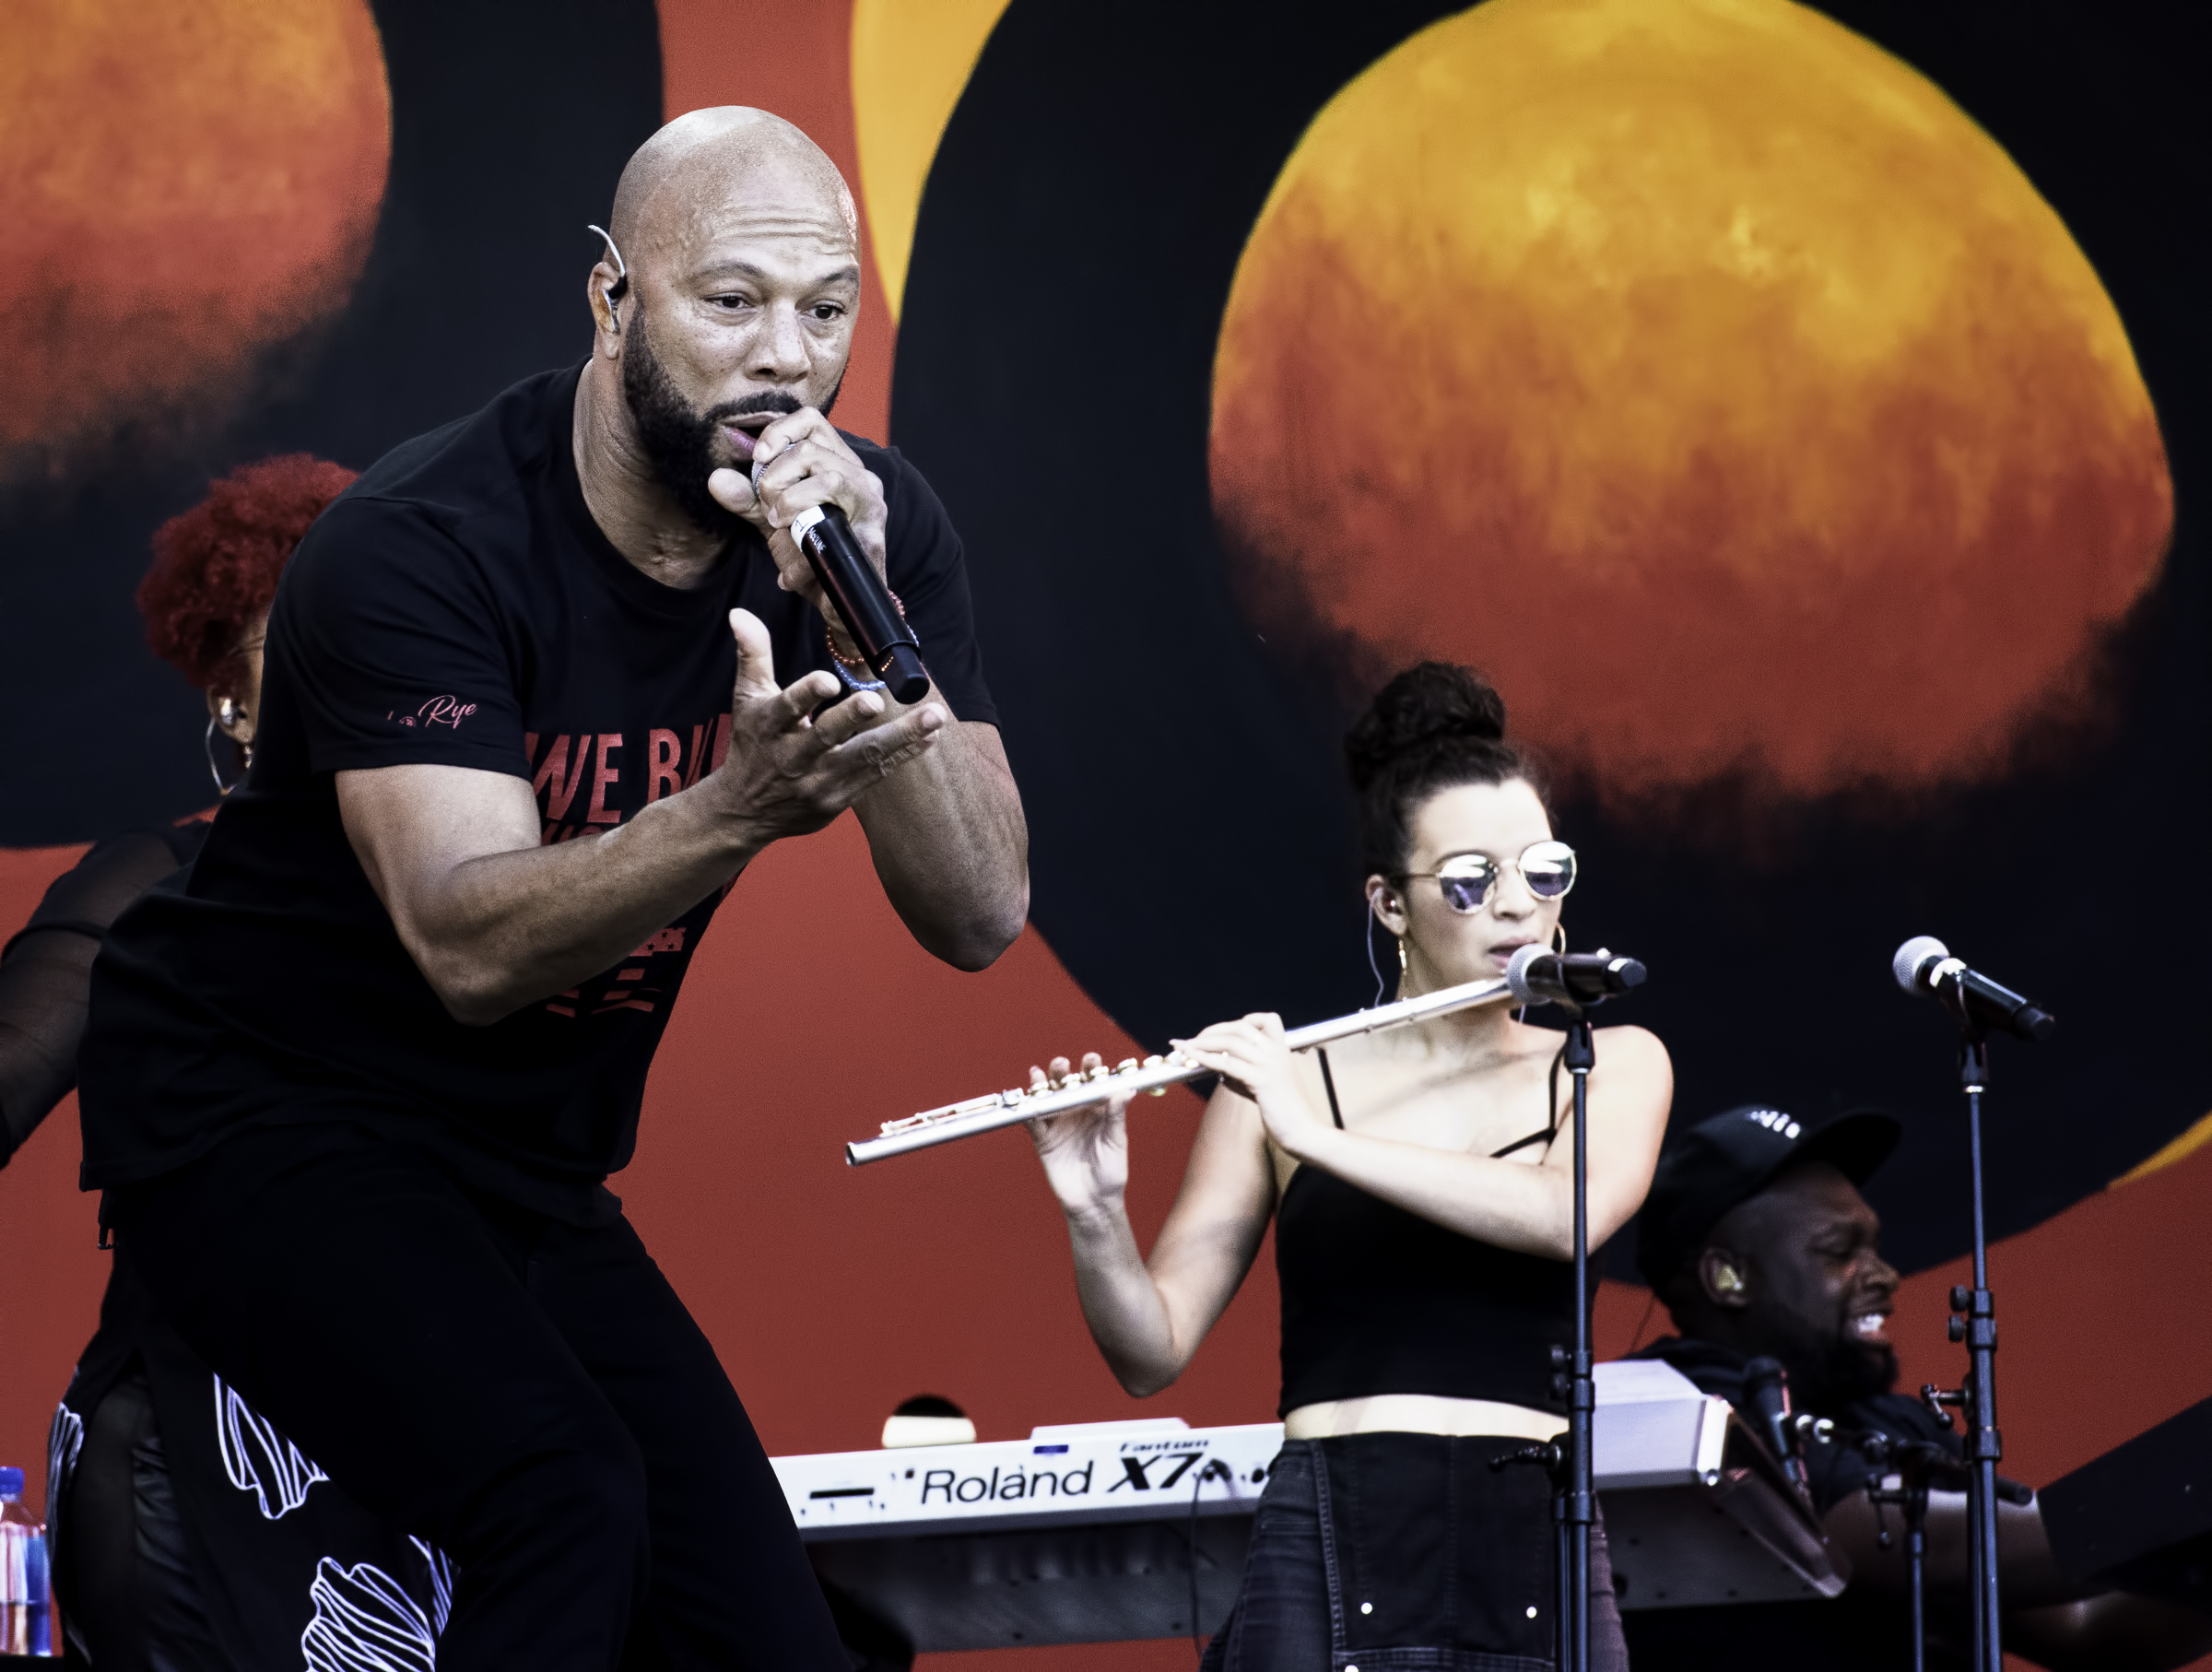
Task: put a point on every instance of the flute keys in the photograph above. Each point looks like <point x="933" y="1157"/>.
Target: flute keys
<point x="1126" y="1066"/>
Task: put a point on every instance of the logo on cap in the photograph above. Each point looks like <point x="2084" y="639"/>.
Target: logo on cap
<point x="1774" y="1120"/>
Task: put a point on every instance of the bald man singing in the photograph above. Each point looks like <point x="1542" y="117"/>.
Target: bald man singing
<point x="353" y="1087"/>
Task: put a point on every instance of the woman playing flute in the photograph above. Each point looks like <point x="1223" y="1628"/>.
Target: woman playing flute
<point x="1421" y="1181"/>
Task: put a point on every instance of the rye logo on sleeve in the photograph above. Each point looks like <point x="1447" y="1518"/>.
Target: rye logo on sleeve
<point x="448" y="711"/>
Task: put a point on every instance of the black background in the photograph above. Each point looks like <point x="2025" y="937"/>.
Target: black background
<point x="510" y="126"/>
<point x="1192" y="854"/>
<point x="1191" y="836"/>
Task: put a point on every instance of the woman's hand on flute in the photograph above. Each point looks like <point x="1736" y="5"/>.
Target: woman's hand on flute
<point x="1253" y="1060"/>
<point x="1085" y="1150"/>
<point x="1148" y="1315"/>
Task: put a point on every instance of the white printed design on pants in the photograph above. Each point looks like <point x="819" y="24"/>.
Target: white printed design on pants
<point x="65" y="1439"/>
<point x="258" y="1459"/>
<point x="365" y="1622"/>
<point x="441" y="1584"/>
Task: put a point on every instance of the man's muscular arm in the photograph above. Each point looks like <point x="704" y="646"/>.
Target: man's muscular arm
<point x="949" y="841"/>
<point x="495" y="922"/>
<point x="951" y="846"/>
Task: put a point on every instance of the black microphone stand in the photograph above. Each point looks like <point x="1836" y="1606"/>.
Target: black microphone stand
<point x="1914" y="1462"/>
<point x="1574" y="1497"/>
<point x="1579" y="1500"/>
<point x="1574" y="1502"/>
<point x="1978" y="1399"/>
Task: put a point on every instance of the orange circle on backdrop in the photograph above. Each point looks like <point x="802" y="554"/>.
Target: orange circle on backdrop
<point x="1700" y="371"/>
<point x="184" y="184"/>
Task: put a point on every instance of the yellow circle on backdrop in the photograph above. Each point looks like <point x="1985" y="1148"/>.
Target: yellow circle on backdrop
<point x="185" y="183"/>
<point x="1705" y="374"/>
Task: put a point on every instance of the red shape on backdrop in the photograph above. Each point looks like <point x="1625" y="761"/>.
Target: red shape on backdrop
<point x="830" y="1294"/>
<point x="794" y="61"/>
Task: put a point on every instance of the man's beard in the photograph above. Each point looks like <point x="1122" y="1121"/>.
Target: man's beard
<point x="678" y="443"/>
<point x="1839" y="1370"/>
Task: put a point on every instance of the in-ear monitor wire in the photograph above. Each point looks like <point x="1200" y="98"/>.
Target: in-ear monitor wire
<point x="620" y="288"/>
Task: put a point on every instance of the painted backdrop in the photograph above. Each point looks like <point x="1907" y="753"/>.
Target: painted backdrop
<point x="1794" y="409"/>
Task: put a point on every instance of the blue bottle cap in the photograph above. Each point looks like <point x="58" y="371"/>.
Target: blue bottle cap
<point x="11" y="1483"/>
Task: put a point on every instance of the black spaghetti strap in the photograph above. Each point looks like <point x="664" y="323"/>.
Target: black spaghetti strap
<point x="1549" y="1133"/>
<point x="1544" y="1136"/>
<point x="1329" y="1080"/>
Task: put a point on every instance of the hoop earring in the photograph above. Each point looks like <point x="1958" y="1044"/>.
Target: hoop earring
<point x="1559" y="937"/>
<point x="216" y="772"/>
<point x="1404" y="969"/>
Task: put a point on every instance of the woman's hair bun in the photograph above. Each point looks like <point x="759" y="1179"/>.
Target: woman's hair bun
<point x="1431" y="703"/>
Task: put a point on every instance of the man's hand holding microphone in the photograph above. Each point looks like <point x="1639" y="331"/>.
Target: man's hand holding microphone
<point x="823" y="514"/>
<point x="793" y="770"/>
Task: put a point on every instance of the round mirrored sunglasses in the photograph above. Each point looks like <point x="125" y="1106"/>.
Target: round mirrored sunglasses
<point x="1547" y="867"/>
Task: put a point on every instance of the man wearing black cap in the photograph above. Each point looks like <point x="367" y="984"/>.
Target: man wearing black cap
<point x="1756" y="1237"/>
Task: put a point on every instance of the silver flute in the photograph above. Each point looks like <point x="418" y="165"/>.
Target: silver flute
<point x="1154" y="1074"/>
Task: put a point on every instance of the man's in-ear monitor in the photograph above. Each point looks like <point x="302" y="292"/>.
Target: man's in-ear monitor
<point x="614" y="292"/>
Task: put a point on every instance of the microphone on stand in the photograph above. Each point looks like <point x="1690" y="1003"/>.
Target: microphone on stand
<point x="1923" y="965"/>
<point x="1767" y="1392"/>
<point x="1537" y="977"/>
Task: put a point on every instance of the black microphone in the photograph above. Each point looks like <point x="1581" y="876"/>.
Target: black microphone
<point x="1537" y="977"/>
<point x="1925" y="965"/>
<point x="862" y="601"/>
<point x="1767" y="1392"/>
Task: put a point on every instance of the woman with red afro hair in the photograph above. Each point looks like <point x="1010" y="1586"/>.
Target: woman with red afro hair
<point x="185" y="1534"/>
<point x="207" y="598"/>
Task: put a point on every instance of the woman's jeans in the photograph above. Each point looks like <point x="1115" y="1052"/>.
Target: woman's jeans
<point x="1376" y="1552"/>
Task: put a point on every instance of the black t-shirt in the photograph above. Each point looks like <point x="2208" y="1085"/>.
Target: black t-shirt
<point x="1858" y="1631"/>
<point x="457" y="605"/>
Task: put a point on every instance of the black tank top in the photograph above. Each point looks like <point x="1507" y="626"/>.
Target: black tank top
<point x="1380" y="1301"/>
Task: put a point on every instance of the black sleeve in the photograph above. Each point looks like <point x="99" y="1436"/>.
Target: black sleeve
<point x="929" y="573"/>
<point x="386" y="635"/>
<point x="46" y="971"/>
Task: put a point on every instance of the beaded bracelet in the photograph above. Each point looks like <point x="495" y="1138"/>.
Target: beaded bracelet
<point x="854" y="664"/>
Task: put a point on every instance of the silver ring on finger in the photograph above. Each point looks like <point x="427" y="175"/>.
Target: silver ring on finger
<point x="760" y="464"/>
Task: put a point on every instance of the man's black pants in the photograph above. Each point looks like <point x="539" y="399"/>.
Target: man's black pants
<point x="531" y="1397"/>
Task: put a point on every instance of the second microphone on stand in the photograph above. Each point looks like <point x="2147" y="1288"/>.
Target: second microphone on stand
<point x="1924" y="965"/>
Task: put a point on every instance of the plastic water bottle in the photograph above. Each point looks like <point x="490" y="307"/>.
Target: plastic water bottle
<point x="27" y="1617"/>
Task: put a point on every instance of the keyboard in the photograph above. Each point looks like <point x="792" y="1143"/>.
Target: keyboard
<point x="1094" y="1532"/>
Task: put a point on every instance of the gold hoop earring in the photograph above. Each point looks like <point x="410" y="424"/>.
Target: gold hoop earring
<point x="223" y="786"/>
<point x="1404" y="970"/>
<point x="1559" y="937"/>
